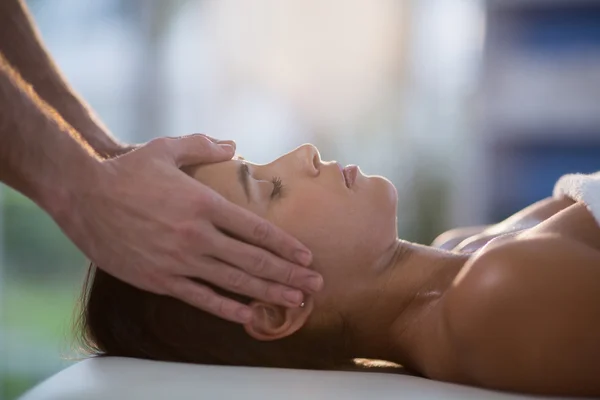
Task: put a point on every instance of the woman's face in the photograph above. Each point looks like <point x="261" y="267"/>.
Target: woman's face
<point x="348" y="229"/>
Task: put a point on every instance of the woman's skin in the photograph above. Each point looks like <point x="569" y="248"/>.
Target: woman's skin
<point x="520" y="313"/>
<point x="469" y="239"/>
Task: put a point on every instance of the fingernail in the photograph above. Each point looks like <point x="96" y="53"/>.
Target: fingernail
<point x="293" y="296"/>
<point x="314" y="283"/>
<point x="227" y="148"/>
<point x="244" y="315"/>
<point x="231" y="142"/>
<point x="303" y="257"/>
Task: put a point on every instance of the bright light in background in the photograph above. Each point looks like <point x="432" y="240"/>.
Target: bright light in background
<point x="449" y="39"/>
<point x="275" y="74"/>
<point x="378" y="83"/>
<point x="331" y="60"/>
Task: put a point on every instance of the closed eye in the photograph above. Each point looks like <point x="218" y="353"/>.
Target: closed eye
<point x="277" y="187"/>
<point x="243" y="175"/>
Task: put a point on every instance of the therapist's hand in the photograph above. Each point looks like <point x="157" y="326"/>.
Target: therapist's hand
<point x="149" y="224"/>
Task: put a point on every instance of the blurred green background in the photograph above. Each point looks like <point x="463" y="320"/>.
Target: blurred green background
<point x="41" y="278"/>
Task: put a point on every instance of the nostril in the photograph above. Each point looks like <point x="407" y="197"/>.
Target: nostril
<point x="317" y="162"/>
<point x="310" y="159"/>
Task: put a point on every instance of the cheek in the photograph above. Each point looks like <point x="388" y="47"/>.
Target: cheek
<point x="342" y="230"/>
<point x="379" y="199"/>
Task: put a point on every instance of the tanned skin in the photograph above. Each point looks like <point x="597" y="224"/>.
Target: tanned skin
<point x="523" y="314"/>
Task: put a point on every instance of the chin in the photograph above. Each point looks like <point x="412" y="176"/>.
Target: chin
<point x="384" y="188"/>
<point x="384" y="207"/>
<point x="383" y="200"/>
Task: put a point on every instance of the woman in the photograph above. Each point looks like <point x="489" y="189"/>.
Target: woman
<point x="518" y="312"/>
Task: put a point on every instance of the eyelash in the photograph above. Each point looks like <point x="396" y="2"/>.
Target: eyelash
<point x="277" y="187"/>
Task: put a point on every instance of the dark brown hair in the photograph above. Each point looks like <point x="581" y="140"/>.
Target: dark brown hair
<point x="117" y="319"/>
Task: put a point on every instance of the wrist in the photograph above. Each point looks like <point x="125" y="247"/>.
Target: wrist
<point x="60" y="200"/>
<point x="103" y="144"/>
<point x="88" y="126"/>
<point x="115" y="150"/>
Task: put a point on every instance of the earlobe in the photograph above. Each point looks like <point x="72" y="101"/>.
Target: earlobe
<point x="272" y="322"/>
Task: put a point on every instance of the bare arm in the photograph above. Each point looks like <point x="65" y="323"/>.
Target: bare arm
<point x="23" y="48"/>
<point x="34" y="163"/>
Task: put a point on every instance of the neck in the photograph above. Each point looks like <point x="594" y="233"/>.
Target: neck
<point x="406" y="291"/>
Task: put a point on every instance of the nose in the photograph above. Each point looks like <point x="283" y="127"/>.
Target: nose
<point x="309" y="159"/>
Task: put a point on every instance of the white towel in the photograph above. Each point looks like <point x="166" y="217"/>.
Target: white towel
<point x="582" y="188"/>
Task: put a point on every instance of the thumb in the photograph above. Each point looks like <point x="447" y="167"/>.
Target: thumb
<point x="198" y="149"/>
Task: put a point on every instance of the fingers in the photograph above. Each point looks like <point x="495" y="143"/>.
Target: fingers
<point x="236" y="280"/>
<point x="193" y="149"/>
<point x="218" y="141"/>
<point x="268" y="249"/>
<point x="259" y="263"/>
<point x="258" y="231"/>
<point x="204" y="298"/>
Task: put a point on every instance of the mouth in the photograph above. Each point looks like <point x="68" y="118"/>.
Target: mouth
<point x="349" y="174"/>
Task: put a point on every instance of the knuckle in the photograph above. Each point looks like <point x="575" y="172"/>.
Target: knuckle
<point x="189" y="232"/>
<point x="221" y="307"/>
<point x="289" y="275"/>
<point x="202" y="143"/>
<point x="260" y="263"/>
<point x="272" y="292"/>
<point x="157" y="283"/>
<point x="205" y="238"/>
<point x="236" y="279"/>
<point x="262" y="231"/>
<point x="200" y="296"/>
<point x="201" y="150"/>
<point x="209" y="202"/>
<point x="212" y="139"/>
<point x="193" y="235"/>
<point x="172" y="287"/>
<point x="158" y="144"/>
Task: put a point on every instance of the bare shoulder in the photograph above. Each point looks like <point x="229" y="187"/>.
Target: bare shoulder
<point x="525" y="316"/>
<point x="530" y="263"/>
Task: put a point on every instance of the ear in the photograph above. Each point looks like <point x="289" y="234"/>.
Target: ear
<point x="271" y="322"/>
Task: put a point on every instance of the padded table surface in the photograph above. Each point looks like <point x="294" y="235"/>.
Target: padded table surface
<point x="132" y="379"/>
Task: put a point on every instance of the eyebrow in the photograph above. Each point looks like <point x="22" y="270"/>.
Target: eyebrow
<point x="243" y="174"/>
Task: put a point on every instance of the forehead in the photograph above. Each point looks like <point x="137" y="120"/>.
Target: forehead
<point x="223" y="178"/>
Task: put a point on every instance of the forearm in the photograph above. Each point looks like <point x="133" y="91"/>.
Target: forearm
<point x="41" y="156"/>
<point x="24" y="50"/>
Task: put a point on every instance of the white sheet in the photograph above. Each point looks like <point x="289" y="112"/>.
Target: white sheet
<point x="132" y="379"/>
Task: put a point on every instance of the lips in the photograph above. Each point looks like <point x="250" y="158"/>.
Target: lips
<point x="350" y="174"/>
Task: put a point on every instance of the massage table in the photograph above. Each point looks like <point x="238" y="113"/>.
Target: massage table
<point x="117" y="378"/>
